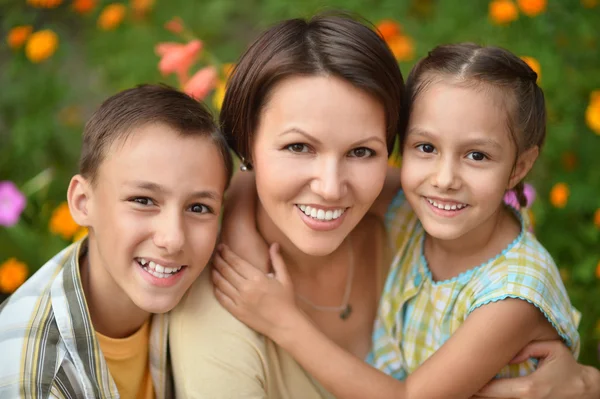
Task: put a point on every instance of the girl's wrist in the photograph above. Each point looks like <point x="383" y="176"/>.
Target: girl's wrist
<point x="291" y="326"/>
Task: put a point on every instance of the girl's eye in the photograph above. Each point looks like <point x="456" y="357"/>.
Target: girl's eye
<point x="145" y="201"/>
<point x="362" y="152"/>
<point x="200" y="208"/>
<point x="477" y="156"/>
<point x="297" y="147"/>
<point x="427" y="148"/>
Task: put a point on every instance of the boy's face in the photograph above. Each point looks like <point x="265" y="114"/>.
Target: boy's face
<point x="153" y="215"/>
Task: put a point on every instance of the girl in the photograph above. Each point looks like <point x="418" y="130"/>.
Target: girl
<point x="469" y="286"/>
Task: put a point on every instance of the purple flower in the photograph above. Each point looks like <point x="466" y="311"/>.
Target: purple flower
<point x="510" y="198"/>
<point x="12" y="203"/>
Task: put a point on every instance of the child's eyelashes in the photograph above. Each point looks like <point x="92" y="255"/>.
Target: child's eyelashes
<point x="472" y="155"/>
<point x="477" y="156"/>
<point x="146" y="202"/>
<point x="426" y="148"/>
<point x="359" y="152"/>
<point x="143" y="201"/>
<point x="201" y="208"/>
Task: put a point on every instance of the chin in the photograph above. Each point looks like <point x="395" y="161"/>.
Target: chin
<point x="158" y="305"/>
<point x="321" y="246"/>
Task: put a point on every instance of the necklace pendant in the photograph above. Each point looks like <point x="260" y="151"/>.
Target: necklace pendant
<point x="346" y="312"/>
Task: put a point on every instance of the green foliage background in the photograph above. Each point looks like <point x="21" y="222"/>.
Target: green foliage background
<point x="43" y="106"/>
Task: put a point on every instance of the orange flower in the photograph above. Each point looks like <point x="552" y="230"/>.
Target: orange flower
<point x="503" y="12"/>
<point x="595" y="96"/>
<point x="388" y="29"/>
<point x="402" y="47"/>
<point x="569" y="161"/>
<point x="141" y="7"/>
<point x="80" y="234"/>
<point x="592" y="116"/>
<point x="175" y="25"/>
<point x="111" y="16"/>
<point x="589" y="3"/>
<point x="83" y="6"/>
<point x="178" y="58"/>
<point x="598" y="270"/>
<point x="18" y="35"/>
<point x="41" y="45"/>
<point x="12" y="274"/>
<point x="44" y="3"/>
<point x="531" y="8"/>
<point x="202" y="82"/>
<point x="62" y="223"/>
<point x="228" y="69"/>
<point x="535" y="65"/>
<point x="597" y="218"/>
<point x="559" y="195"/>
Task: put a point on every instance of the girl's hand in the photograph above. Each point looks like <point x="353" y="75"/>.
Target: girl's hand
<point x="558" y="376"/>
<point x="264" y="302"/>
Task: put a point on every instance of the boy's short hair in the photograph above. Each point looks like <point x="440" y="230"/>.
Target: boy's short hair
<point x="146" y="104"/>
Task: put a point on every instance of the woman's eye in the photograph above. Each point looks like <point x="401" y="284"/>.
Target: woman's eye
<point x="362" y="152"/>
<point x="145" y="201"/>
<point x="200" y="208"/>
<point x="297" y="147"/>
<point x="427" y="148"/>
<point x="476" y="156"/>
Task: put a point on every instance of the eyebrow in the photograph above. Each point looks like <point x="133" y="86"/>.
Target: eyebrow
<point x="482" y="142"/>
<point x="150" y="186"/>
<point x="310" y="137"/>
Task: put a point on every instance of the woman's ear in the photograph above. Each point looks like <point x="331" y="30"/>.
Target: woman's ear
<point x="78" y="197"/>
<point x="523" y="165"/>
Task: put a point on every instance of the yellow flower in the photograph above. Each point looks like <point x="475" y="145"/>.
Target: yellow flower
<point x="531" y="8"/>
<point x="535" y="65"/>
<point x="62" y="223"/>
<point x="595" y="97"/>
<point x="12" y="274"/>
<point x="80" y="234"/>
<point x="18" y="35"/>
<point x="559" y="195"/>
<point x="592" y="116"/>
<point x="111" y="16"/>
<point x="589" y="3"/>
<point x="219" y="95"/>
<point x="41" y="45"/>
<point x="503" y="12"/>
<point x="597" y="218"/>
<point x="141" y="7"/>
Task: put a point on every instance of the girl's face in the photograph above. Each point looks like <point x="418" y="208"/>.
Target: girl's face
<point x="320" y="159"/>
<point x="457" y="159"/>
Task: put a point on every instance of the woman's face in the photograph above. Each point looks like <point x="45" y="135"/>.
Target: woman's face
<point x="320" y="158"/>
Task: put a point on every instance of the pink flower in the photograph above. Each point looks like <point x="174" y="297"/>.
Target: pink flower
<point x="510" y="198"/>
<point x="177" y="58"/>
<point x="202" y="83"/>
<point x="12" y="203"/>
<point x="175" y="25"/>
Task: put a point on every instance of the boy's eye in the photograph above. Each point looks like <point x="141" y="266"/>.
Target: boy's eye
<point x="476" y="156"/>
<point x="200" y="208"/>
<point x="427" y="148"/>
<point x="362" y="152"/>
<point x="145" y="201"/>
<point x="297" y="147"/>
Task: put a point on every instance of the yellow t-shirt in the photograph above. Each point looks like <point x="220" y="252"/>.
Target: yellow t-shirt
<point x="127" y="360"/>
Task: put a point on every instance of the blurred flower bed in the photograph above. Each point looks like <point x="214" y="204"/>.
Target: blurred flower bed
<point x="60" y="58"/>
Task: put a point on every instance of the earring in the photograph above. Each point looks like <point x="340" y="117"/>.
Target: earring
<point x="245" y="166"/>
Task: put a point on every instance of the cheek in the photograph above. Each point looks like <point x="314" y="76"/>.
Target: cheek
<point x="368" y="179"/>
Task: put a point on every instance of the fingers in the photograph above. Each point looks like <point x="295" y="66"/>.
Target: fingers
<point x="540" y="350"/>
<point x="281" y="273"/>
<point x="506" y="388"/>
<point x="243" y="268"/>
<point x="225" y="301"/>
<point x="227" y="272"/>
<point x="224" y="286"/>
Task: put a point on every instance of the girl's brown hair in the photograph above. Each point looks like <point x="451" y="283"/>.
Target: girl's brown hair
<point x="335" y="45"/>
<point x="473" y="65"/>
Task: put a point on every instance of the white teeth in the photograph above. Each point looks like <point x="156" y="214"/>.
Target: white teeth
<point x="321" y="214"/>
<point x="447" y="207"/>
<point x="159" y="268"/>
<point x="152" y="265"/>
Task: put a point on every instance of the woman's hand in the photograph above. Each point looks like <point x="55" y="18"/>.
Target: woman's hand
<point x="238" y="229"/>
<point x="264" y="302"/>
<point x="558" y="376"/>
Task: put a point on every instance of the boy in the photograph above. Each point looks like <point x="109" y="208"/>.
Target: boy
<point x="93" y="322"/>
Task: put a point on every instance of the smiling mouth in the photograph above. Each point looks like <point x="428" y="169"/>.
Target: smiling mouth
<point x="446" y="206"/>
<point x="323" y="215"/>
<point x="158" y="270"/>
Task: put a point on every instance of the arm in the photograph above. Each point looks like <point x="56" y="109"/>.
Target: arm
<point x="488" y="340"/>
<point x="212" y="354"/>
<point x="238" y="229"/>
<point x="558" y="376"/>
<point x="390" y="188"/>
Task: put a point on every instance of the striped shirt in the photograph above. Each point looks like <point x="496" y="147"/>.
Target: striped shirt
<point x="417" y="314"/>
<point x="48" y="345"/>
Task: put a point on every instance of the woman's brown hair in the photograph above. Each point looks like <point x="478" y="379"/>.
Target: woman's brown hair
<point x="335" y="45"/>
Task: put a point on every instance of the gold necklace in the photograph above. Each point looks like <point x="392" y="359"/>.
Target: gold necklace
<point x="345" y="308"/>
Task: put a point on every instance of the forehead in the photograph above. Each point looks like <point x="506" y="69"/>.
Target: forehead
<point x="322" y="104"/>
<point x="159" y="153"/>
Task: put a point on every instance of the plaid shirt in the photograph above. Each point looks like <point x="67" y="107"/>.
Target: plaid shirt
<point x="48" y="345"/>
<point x="417" y="315"/>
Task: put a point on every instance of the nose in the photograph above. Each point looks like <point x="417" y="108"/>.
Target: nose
<point x="329" y="182"/>
<point x="446" y="176"/>
<point x="169" y="232"/>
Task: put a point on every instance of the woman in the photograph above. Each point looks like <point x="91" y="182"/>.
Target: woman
<point x="313" y="107"/>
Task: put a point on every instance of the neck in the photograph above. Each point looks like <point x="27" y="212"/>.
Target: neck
<point x="112" y="312"/>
